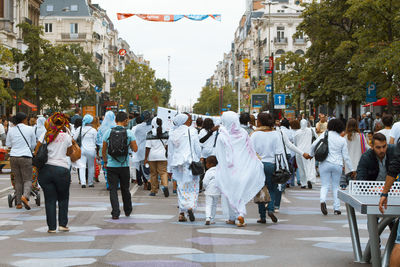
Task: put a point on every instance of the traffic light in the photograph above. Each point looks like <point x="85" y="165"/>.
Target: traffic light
<point x="19" y="103"/>
<point x="269" y="65"/>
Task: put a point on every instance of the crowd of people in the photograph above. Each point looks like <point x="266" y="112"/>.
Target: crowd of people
<point x="235" y="158"/>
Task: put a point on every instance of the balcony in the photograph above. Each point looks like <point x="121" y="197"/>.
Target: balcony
<point x="299" y="41"/>
<point x="6" y="25"/>
<point x="282" y="41"/>
<point x="73" y="36"/>
<point x="113" y="48"/>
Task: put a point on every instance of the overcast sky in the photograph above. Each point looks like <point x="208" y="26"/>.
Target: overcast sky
<point x="195" y="47"/>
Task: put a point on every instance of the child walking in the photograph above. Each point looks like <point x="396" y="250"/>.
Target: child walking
<point x="211" y="191"/>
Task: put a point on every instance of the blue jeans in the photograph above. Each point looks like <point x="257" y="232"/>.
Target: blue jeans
<point x="272" y="189"/>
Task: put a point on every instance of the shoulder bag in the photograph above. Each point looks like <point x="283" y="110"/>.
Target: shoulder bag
<point x="288" y="156"/>
<point x="322" y="149"/>
<point x="74" y="152"/>
<point x="41" y="157"/>
<point x="281" y="174"/>
<point x="362" y="142"/>
<point x="196" y="167"/>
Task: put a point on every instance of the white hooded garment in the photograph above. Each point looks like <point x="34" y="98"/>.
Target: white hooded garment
<point x="303" y="140"/>
<point x="240" y="174"/>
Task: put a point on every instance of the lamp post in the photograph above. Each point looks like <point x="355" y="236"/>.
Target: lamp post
<point x="238" y="79"/>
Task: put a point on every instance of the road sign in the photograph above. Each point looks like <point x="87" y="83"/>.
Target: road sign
<point x="207" y="114"/>
<point x="259" y="100"/>
<point x="131" y="103"/>
<point x="246" y="68"/>
<point x="98" y="89"/>
<point x="279" y="100"/>
<point x="268" y="88"/>
<point x="122" y="52"/>
<point x="224" y="109"/>
<point x="371" y="92"/>
<point x="17" y="84"/>
<point x="229" y="106"/>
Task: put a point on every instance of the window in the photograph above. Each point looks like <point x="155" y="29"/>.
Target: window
<point x="49" y="8"/>
<point x="74" y="27"/>
<point x="1" y="8"/>
<point x="280" y="33"/>
<point x="48" y="27"/>
<point x="74" y="7"/>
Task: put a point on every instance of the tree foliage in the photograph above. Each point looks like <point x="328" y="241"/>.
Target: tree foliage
<point x="6" y="62"/>
<point x="208" y="102"/>
<point x="136" y="80"/>
<point x="164" y="88"/>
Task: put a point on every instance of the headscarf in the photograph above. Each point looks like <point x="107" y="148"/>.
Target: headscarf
<point x="154" y="126"/>
<point x="88" y="119"/>
<point x="303" y="124"/>
<point x="180" y="119"/>
<point x="40" y="127"/>
<point x="56" y="123"/>
<point x="107" y="124"/>
<point x="179" y="132"/>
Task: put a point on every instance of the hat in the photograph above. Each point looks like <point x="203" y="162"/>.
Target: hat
<point x="20" y="117"/>
<point x="368" y="113"/>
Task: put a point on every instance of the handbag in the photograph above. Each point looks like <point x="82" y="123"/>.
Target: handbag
<point x="280" y="175"/>
<point x="196" y="167"/>
<point x="288" y="156"/>
<point x="263" y="196"/>
<point x="74" y="152"/>
<point x="321" y="150"/>
<point x="41" y="157"/>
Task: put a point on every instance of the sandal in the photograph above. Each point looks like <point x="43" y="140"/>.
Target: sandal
<point x="230" y="222"/>
<point x="182" y="218"/>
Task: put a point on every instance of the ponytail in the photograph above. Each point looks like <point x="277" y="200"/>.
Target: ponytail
<point x="159" y="128"/>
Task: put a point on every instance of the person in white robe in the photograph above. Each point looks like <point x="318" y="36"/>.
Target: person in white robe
<point x="239" y="174"/>
<point x="303" y="140"/>
<point x="182" y="151"/>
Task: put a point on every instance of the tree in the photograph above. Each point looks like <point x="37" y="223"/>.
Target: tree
<point x="164" y="88"/>
<point x="137" y="80"/>
<point x="208" y="102"/>
<point x="6" y="62"/>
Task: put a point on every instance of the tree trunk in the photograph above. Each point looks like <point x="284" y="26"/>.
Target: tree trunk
<point x="354" y="109"/>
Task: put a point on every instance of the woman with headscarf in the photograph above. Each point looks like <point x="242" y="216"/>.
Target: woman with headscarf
<point x="107" y="124"/>
<point x="239" y="174"/>
<point x="87" y="135"/>
<point x="39" y="127"/>
<point x="156" y="150"/>
<point x="55" y="176"/>
<point x="183" y="149"/>
<point x="303" y="140"/>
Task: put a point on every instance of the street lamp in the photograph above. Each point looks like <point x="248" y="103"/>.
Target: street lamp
<point x="238" y="79"/>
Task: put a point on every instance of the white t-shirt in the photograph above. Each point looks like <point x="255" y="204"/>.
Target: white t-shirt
<point x="395" y="132"/>
<point x="89" y="135"/>
<point x="57" y="150"/>
<point x="386" y="132"/>
<point x="207" y="148"/>
<point x="267" y="145"/>
<point x="157" y="149"/>
<point x="2" y="130"/>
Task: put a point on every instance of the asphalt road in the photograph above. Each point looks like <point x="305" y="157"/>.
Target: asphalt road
<point x="153" y="237"/>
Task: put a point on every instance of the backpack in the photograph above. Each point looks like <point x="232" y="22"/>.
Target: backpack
<point x="118" y="144"/>
<point x="322" y="149"/>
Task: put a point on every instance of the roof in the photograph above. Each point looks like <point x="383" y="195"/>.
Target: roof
<point x="59" y="5"/>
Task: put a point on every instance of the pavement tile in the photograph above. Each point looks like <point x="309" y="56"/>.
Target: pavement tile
<point x="72" y="229"/>
<point x="228" y="231"/>
<point x="296" y="227"/>
<point x="59" y="239"/>
<point x="210" y="257"/>
<point x="159" y="250"/>
<point x="216" y="241"/>
<point x="114" y="232"/>
<point x="155" y="263"/>
<point x="133" y="221"/>
<point x="68" y="253"/>
<point x="63" y="262"/>
<point x="11" y="232"/>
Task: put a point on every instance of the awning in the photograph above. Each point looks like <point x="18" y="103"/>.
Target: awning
<point x="384" y="102"/>
<point x="29" y="104"/>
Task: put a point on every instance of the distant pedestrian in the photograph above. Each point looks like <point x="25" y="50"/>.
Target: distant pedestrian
<point x="211" y="190"/>
<point x="55" y="176"/>
<point x="116" y="142"/>
<point x="245" y="122"/>
<point x="156" y="156"/>
<point x="377" y="121"/>
<point x="39" y="127"/>
<point x="76" y="116"/>
<point x="183" y="149"/>
<point x="22" y="140"/>
<point x="387" y="121"/>
<point x="322" y="125"/>
<point x="199" y="124"/>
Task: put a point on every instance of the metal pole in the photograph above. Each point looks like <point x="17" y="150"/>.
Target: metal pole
<point x="239" y="96"/>
<point x="16" y="103"/>
<point x="269" y="28"/>
<point x="272" y="86"/>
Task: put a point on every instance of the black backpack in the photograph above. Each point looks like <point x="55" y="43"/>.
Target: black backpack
<point x="322" y="149"/>
<point x="118" y="143"/>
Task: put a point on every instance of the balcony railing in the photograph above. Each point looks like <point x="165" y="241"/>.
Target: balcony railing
<point x="73" y="36"/>
<point x="280" y="40"/>
<point x="6" y="25"/>
<point x="299" y="41"/>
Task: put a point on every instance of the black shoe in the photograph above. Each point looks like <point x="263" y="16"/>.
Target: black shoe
<point x="287" y="185"/>
<point x="128" y="214"/>
<point x="83" y="186"/>
<point x="262" y="221"/>
<point x="338" y="212"/>
<point x="92" y="185"/>
<point x="309" y="185"/>
<point x="191" y="215"/>
<point x="272" y="216"/>
<point x="304" y="187"/>
<point x="152" y="194"/>
<point x="323" y="208"/>
<point x="115" y="217"/>
<point x="166" y="191"/>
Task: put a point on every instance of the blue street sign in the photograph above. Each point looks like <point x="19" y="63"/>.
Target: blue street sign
<point x="224" y="109"/>
<point x="371" y="92"/>
<point x="131" y="103"/>
<point x="98" y="89"/>
<point x="207" y="114"/>
<point x="280" y="101"/>
<point x="229" y="106"/>
<point x="268" y="88"/>
<point x="153" y="110"/>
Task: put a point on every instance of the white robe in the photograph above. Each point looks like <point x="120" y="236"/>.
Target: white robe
<point x="303" y="140"/>
<point x="239" y="174"/>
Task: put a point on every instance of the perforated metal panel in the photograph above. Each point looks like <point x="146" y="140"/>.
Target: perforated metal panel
<point x="372" y="188"/>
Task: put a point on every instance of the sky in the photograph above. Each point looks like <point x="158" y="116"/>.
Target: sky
<point x="194" y="47"/>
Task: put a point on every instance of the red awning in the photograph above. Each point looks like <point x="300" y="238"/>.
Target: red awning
<point x="384" y="102"/>
<point x="29" y="104"/>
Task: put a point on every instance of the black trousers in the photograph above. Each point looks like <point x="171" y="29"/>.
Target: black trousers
<point x="55" y="182"/>
<point x="121" y="176"/>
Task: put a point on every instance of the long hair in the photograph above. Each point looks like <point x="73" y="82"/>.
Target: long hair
<point x="159" y="128"/>
<point x="351" y="128"/>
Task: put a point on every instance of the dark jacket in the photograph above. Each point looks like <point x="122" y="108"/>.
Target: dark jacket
<point x="368" y="167"/>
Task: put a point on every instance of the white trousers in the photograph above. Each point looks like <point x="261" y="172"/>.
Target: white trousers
<point x="211" y="206"/>
<point x="330" y="175"/>
<point x="87" y="157"/>
<point x="306" y="170"/>
<point x="228" y="211"/>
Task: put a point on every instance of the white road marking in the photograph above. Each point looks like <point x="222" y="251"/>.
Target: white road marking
<point x="6" y="189"/>
<point x="134" y="189"/>
<point x="285" y="200"/>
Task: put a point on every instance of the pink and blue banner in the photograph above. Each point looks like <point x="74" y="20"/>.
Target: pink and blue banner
<point x="168" y="18"/>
